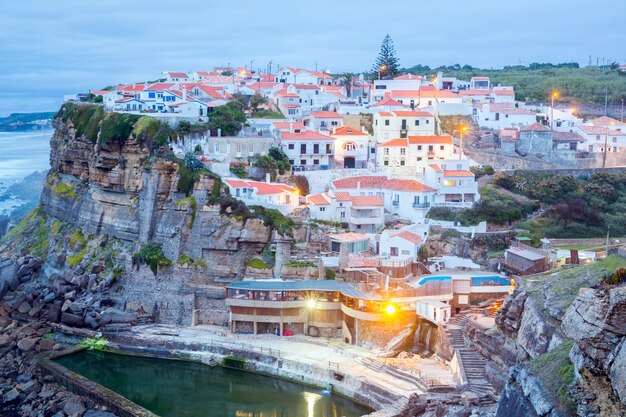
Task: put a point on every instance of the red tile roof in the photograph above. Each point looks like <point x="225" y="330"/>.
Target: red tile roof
<point x="412" y="113"/>
<point x="457" y="173"/>
<point x="474" y="92"/>
<point x="288" y="125"/>
<point x="536" y="127"/>
<point x="435" y="167"/>
<point x="402" y="142"/>
<point x="178" y="74"/>
<point x="374" y="181"/>
<point x="410" y="236"/>
<point x="342" y="196"/>
<point x="318" y="200"/>
<point x="326" y="115"/>
<point x="605" y="121"/>
<point x="504" y="92"/>
<point x="262" y="188"/>
<point x="367" y="201"/>
<point x="388" y="102"/>
<point x="347" y="131"/>
<point x="444" y="140"/>
<point x="349" y="237"/>
<point x="304" y="135"/>
<point x="438" y="94"/>
<point x="405" y="93"/>
<point x="160" y="86"/>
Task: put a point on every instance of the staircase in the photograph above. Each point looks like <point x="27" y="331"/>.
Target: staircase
<point x="473" y="362"/>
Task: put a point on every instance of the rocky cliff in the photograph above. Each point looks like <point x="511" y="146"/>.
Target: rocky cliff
<point x="561" y="343"/>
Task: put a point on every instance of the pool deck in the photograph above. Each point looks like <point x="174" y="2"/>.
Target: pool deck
<point x="318" y="352"/>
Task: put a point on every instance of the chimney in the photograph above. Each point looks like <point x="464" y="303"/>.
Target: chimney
<point x="291" y="127"/>
<point x="267" y="178"/>
<point x="334" y="130"/>
<point x="184" y="92"/>
<point x="219" y="132"/>
<point x="358" y="185"/>
<point x="364" y="130"/>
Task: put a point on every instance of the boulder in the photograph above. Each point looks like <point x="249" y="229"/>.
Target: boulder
<point x="74" y="406"/>
<point x="6" y="339"/>
<point x="29" y="387"/>
<point x="10" y="398"/>
<point x="110" y="316"/>
<point x="27" y="344"/>
<point x="72" y="319"/>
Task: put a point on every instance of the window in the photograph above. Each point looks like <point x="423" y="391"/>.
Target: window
<point x="419" y="158"/>
<point x="291" y="146"/>
<point x="419" y="147"/>
<point x="381" y="87"/>
<point x="150" y="95"/>
<point x="303" y="162"/>
<point x="393" y="251"/>
<point x="449" y="183"/>
<point x="316" y="148"/>
<point x="416" y="199"/>
<point x="459" y="166"/>
<point x="292" y="162"/>
<point x="402" y="162"/>
<point x="349" y="146"/>
<point x="386" y="151"/>
<point x="334" y="123"/>
<point x="402" y="151"/>
<point x="417" y="123"/>
<point x="386" y="163"/>
<point x="292" y="111"/>
<point x="303" y="148"/>
<point x="316" y="162"/>
<point x="342" y="215"/>
<point x="386" y="122"/>
<point x="441" y="148"/>
<point x="427" y="121"/>
<point x="430" y="148"/>
<point x="322" y="208"/>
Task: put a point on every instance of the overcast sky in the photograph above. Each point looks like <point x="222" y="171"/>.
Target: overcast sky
<point x="50" y="48"/>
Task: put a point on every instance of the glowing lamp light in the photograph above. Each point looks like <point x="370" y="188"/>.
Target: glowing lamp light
<point x="311" y="303"/>
<point x="390" y="309"/>
<point x="555" y="94"/>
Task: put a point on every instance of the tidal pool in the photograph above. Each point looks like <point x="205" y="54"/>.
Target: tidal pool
<point x="172" y="388"/>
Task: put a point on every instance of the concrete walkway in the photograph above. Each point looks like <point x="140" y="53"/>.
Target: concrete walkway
<point x="323" y="353"/>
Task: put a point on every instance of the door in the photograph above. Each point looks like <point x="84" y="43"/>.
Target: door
<point x="349" y="162"/>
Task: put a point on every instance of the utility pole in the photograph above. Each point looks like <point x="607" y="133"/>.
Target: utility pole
<point x="606" y="141"/>
<point x="622" y="119"/>
<point x="606" y="100"/>
<point x="607" y="241"/>
<point x="315" y="65"/>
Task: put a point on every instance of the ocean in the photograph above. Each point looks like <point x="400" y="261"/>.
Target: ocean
<point x="21" y="154"/>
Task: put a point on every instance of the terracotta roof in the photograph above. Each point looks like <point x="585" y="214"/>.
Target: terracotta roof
<point x="218" y="79"/>
<point x="367" y="201"/>
<point x="474" y="92"/>
<point x="177" y="74"/>
<point x="605" y="121"/>
<point x="307" y="86"/>
<point x="348" y="237"/>
<point x="438" y="94"/>
<point x="318" y="200"/>
<point x="132" y="87"/>
<point x="304" y="135"/>
<point x="457" y="173"/>
<point x="385" y="113"/>
<point x="405" y="93"/>
<point x="366" y="181"/>
<point x="412" y="113"/>
<point x="600" y="130"/>
<point x="210" y="91"/>
<point x="388" y="102"/>
<point x="536" y="127"/>
<point x="410" y="236"/>
<point x="394" y="142"/>
<point x="407" y="185"/>
<point x="504" y="92"/>
<point x="288" y="125"/>
<point x="284" y="93"/>
<point x="435" y="167"/>
<point x="446" y="140"/>
<point x="160" y="86"/>
<point x="343" y="196"/>
<point x="567" y="137"/>
<point x="326" y="115"/>
<point x="101" y="92"/>
<point x="347" y="131"/>
<point x="261" y="187"/>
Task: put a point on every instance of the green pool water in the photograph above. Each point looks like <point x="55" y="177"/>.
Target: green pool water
<point x="184" y="389"/>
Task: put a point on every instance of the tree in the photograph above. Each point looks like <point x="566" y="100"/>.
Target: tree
<point x="228" y="117"/>
<point x="256" y="101"/>
<point x="348" y="79"/>
<point x="387" y="62"/>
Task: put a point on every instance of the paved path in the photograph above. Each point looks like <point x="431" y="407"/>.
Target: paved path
<point x="311" y="351"/>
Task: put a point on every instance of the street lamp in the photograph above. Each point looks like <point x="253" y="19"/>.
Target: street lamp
<point x="381" y="68"/>
<point x="555" y="95"/>
<point x="622" y="119"/>
<point x="463" y="129"/>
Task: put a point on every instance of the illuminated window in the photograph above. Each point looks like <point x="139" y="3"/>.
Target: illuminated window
<point x="449" y="183"/>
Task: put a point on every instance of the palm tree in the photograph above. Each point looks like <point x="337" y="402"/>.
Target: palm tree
<point x="348" y="79"/>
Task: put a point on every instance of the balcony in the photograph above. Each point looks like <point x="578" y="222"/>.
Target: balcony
<point x="362" y="315"/>
<point x="421" y="205"/>
<point x="396" y="203"/>
<point x="360" y="220"/>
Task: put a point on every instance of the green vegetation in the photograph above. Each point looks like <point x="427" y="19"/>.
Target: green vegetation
<point x="233" y="362"/>
<point x="191" y="262"/>
<point x="257" y="263"/>
<point x="495" y="206"/>
<point x="228" y="117"/>
<point x="556" y="373"/>
<point x="387" y="64"/>
<point x="56" y="227"/>
<point x="616" y="278"/>
<point x="268" y="114"/>
<point x="274" y="163"/>
<point x="153" y="256"/>
<point x="85" y="118"/>
<point x="300" y="264"/>
<point x="422" y="254"/>
<point x="274" y="219"/>
<point x="493" y="242"/>
<point x="191" y="203"/>
<point x="479" y="172"/>
<point x="537" y="81"/>
<point x="31" y="234"/>
<point x="76" y="259"/>
<point x="77" y="240"/>
<point x="576" y="206"/>
<point x="117" y="127"/>
<point x="94" y="343"/>
<point x="239" y="171"/>
<point x="189" y="172"/>
<point x="330" y="273"/>
<point x="65" y="191"/>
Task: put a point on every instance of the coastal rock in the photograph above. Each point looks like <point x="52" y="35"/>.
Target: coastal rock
<point x="27" y="344"/>
<point x="74" y="407"/>
<point x="72" y="319"/>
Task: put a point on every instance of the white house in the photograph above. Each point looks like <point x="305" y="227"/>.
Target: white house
<point x="502" y="116"/>
<point x="402" y="82"/>
<point x="308" y="150"/>
<point x="387" y="104"/>
<point x="480" y="83"/>
<point x="364" y="214"/>
<point x="324" y="120"/>
<point x="405" y="198"/>
<point x="288" y="102"/>
<point x="404" y="242"/>
<point x="278" y="196"/>
<point x="455" y="184"/>
<point x="401" y="124"/>
<point x="174" y="76"/>
<point x="351" y="147"/>
<point x="403" y="156"/>
<point x="302" y="76"/>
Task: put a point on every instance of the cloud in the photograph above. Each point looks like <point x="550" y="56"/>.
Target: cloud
<point x="53" y="48"/>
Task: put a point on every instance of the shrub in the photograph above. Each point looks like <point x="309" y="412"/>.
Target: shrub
<point x="76" y="259"/>
<point x="239" y="171"/>
<point x="257" y="263"/>
<point x="94" y="343"/>
<point x="330" y="273"/>
<point x="193" y="204"/>
<point x="300" y="264"/>
<point x="302" y="184"/>
<point x="153" y="256"/>
<point x="616" y="278"/>
<point x="117" y="127"/>
<point x="65" y="191"/>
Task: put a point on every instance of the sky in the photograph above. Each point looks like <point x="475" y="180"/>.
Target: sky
<point x="51" y="48"/>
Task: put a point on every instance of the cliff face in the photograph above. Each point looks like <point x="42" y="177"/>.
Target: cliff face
<point x="562" y="345"/>
<point x="116" y="190"/>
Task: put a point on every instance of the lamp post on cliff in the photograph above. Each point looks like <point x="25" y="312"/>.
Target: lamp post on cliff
<point x="606" y="144"/>
<point x="555" y="95"/>
<point x="381" y="68"/>
<point x="463" y="129"/>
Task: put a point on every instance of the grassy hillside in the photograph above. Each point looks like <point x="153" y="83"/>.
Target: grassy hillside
<point x="577" y="85"/>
